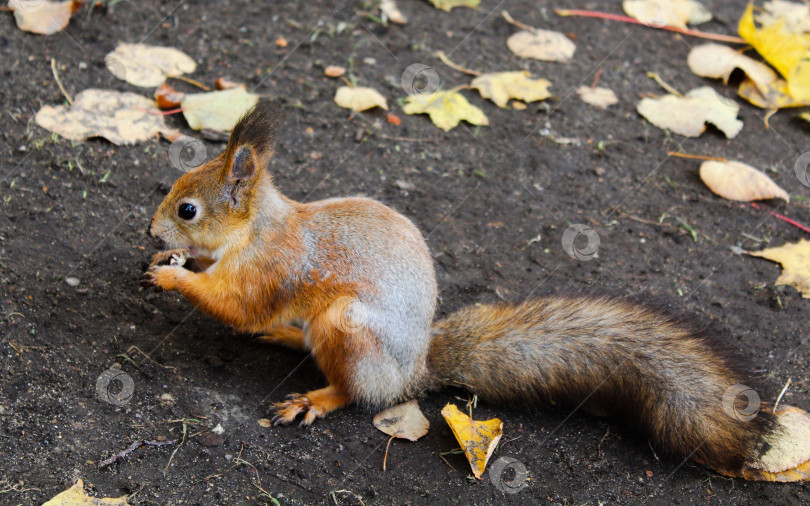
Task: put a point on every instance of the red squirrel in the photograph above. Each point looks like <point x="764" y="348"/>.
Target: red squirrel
<point x="352" y="281"/>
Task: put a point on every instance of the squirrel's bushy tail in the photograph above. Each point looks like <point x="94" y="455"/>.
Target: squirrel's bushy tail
<point x="609" y="356"/>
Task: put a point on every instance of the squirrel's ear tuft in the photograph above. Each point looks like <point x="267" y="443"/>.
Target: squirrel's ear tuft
<point x="257" y="130"/>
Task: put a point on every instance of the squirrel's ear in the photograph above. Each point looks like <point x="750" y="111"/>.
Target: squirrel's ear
<point x="241" y="172"/>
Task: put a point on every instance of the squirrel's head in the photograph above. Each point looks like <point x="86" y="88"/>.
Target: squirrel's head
<point x="216" y="205"/>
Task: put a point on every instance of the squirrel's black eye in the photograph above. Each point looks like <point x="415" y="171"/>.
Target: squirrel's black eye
<point x="187" y="211"/>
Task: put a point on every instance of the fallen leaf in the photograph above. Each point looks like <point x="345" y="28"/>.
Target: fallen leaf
<point x="147" y="66"/>
<point x="600" y="97"/>
<point x="334" y="71"/>
<point x="404" y="421"/>
<point x="796" y="16"/>
<point x="167" y="97"/>
<point x="217" y="110"/>
<point x="788" y="51"/>
<point x="543" y="45"/>
<point x="445" y="108"/>
<point x="478" y="439"/>
<point x="718" y="61"/>
<point x="359" y="98"/>
<point x="221" y="83"/>
<point x="739" y="181"/>
<point x="774" y="97"/>
<point x="392" y="13"/>
<point x="501" y="86"/>
<point x="446" y="5"/>
<point x="42" y="17"/>
<point x="795" y="260"/>
<point x="675" y="13"/>
<point x="788" y="455"/>
<point x="689" y="114"/>
<point x="120" y="117"/>
<point x="75" y="496"/>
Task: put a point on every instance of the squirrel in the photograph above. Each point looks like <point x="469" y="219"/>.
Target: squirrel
<point x="352" y="281"/>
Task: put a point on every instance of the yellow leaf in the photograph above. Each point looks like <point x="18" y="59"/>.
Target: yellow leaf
<point x="119" y="117"/>
<point x="543" y="45"/>
<point x="217" y="110"/>
<point x="446" y="5"/>
<point x="795" y="260"/>
<point x="477" y="439"/>
<point x="404" y="421"/>
<point x="675" y="13"/>
<point x="501" y="86"/>
<point x="41" y="16"/>
<point x="600" y="97"/>
<point x="75" y="496"/>
<point x="788" y="456"/>
<point x="446" y="109"/>
<point x="739" y="181"/>
<point x="718" y="61"/>
<point x="788" y="52"/>
<point x="687" y="115"/>
<point x="359" y="98"/>
<point x="147" y="66"/>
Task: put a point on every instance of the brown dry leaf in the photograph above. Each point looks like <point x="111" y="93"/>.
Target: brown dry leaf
<point x="675" y="13"/>
<point x="75" y="496"/>
<point x="788" y="456"/>
<point x="119" y="117"/>
<point x="404" y="421"/>
<point x="718" y="61"/>
<point x="391" y="12"/>
<point x="478" y="439"/>
<point x="600" y="97"/>
<point x="359" y="98"/>
<point x="167" y="97"/>
<point x="334" y="71"/>
<point x="739" y="181"/>
<point x="446" y="5"/>
<point x="501" y="86"/>
<point x="445" y="108"/>
<point x="543" y="45"/>
<point x="42" y="17"/>
<point x="795" y="260"/>
<point x="689" y="114"/>
<point x="217" y="110"/>
<point x="147" y="66"/>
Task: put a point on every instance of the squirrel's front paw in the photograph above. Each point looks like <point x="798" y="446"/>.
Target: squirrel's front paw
<point x="162" y="257"/>
<point x="166" y="277"/>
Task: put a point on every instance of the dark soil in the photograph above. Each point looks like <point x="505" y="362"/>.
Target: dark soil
<point x="492" y="201"/>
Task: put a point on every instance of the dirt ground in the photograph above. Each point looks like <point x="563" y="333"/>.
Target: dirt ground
<point x="493" y="202"/>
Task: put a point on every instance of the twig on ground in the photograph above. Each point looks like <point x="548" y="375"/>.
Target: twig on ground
<point x="59" y="82"/>
<point x="443" y="57"/>
<point x="627" y="19"/>
<point x="131" y="448"/>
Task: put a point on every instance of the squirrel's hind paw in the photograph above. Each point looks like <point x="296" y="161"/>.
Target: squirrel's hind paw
<point x="313" y="405"/>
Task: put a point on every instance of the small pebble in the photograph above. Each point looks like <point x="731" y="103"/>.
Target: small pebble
<point x="264" y="422"/>
<point x="72" y="281"/>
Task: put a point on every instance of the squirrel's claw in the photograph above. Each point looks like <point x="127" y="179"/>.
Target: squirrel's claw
<point x="287" y="411"/>
<point x="166" y="256"/>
